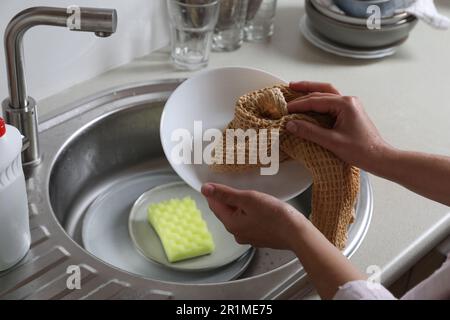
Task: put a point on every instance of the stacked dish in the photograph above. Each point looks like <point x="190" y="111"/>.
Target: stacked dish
<point x="342" y="34"/>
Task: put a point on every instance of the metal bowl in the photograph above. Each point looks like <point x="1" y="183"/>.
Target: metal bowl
<point x="359" y="36"/>
<point x="398" y="18"/>
<point x="359" y="8"/>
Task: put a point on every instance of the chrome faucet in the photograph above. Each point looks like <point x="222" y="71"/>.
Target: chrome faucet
<point x="20" y="109"/>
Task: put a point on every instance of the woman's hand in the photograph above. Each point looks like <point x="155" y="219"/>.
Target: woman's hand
<point x="354" y="138"/>
<point x="253" y="217"/>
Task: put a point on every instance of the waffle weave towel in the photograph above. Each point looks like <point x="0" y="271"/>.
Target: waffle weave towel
<point x="335" y="183"/>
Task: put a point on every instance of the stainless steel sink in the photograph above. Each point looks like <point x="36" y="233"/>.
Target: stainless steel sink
<point x="93" y="144"/>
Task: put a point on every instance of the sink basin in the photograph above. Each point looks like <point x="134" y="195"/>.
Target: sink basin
<point x="94" y="145"/>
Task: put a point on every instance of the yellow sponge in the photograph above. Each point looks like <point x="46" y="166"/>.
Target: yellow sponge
<point x="181" y="228"/>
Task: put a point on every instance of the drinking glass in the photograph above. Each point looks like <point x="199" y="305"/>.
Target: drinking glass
<point x="229" y="30"/>
<point x="260" y="19"/>
<point x="192" y="24"/>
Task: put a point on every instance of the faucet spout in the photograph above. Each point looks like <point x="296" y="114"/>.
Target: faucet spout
<point x="19" y="108"/>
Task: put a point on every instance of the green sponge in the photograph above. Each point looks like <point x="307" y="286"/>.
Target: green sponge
<point x="181" y="228"/>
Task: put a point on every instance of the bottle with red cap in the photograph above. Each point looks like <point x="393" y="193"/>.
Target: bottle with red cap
<point x="14" y="221"/>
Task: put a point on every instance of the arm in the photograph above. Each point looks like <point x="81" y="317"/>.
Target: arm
<point x="425" y="174"/>
<point x="327" y="268"/>
<point x="264" y="221"/>
<point x="355" y="140"/>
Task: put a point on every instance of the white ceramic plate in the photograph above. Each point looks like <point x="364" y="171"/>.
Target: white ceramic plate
<point x="149" y="245"/>
<point x="210" y="97"/>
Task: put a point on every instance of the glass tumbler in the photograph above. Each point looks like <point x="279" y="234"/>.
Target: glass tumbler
<point x="260" y="20"/>
<point x="229" y="30"/>
<point x="192" y="24"/>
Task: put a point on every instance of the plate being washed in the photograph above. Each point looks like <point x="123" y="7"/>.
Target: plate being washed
<point x="148" y="243"/>
<point x="105" y="234"/>
<point x="206" y="101"/>
<point x="322" y="43"/>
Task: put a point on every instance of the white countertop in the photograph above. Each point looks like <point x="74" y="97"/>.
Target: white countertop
<point x="406" y="95"/>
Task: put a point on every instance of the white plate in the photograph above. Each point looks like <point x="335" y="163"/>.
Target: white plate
<point x="322" y="43"/>
<point x="210" y="97"/>
<point x="149" y="245"/>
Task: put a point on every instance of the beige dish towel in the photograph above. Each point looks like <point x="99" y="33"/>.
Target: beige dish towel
<point x="335" y="183"/>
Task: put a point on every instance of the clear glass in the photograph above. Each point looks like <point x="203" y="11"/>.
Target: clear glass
<point x="192" y="24"/>
<point x="260" y="20"/>
<point x="229" y="31"/>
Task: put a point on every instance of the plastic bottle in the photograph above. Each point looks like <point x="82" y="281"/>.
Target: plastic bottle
<point x="14" y="220"/>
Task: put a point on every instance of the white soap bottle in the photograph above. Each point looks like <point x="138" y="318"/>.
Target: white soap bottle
<point x="14" y="220"/>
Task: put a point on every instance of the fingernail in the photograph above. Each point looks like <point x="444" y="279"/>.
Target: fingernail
<point x="292" y="127"/>
<point x="208" y="189"/>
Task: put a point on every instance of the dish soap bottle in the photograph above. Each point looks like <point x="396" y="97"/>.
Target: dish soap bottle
<point x="14" y="220"/>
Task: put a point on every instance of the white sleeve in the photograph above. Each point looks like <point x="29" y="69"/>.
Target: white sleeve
<point x="435" y="287"/>
<point x="363" y="290"/>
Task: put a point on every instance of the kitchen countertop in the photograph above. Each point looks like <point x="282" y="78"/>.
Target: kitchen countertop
<point x="404" y="95"/>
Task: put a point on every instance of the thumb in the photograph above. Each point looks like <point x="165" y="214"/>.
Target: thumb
<point x="311" y="132"/>
<point x="222" y="211"/>
<point x="226" y="195"/>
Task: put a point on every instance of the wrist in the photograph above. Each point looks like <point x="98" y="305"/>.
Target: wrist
<point x="298" y="224"/>
<point x="388" y="165"/>
<point x="381" y="160"/>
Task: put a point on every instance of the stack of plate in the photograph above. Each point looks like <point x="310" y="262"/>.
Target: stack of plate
<point x="349" y="36"/>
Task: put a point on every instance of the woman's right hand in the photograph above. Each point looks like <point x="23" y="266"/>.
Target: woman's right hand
<point x="353" y="138"/>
